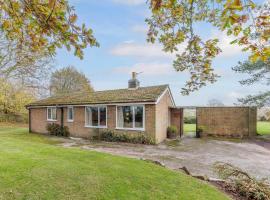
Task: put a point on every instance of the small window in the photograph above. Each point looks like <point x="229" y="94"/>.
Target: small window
<point x="130" y="117"/>
<point x="96" y="116"/>
<point x="70" y="114"/>
<point x="51" y="114"/>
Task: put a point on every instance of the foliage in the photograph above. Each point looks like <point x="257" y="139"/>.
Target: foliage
<point x="44" y="25"/>
<point x="110" y="136"/>
<point x="35" y="167"/>
<point x="262" y="119"/>
<point x="243" y="184"/>
<point x="190" y="120"/>
<point x="172" y="24"/>
<point x="68" y="79"/>
<point x="259" y="73"/>
<point x="14" y="118"/>
<point x="57" y="130"/>
<point x="28" y="69"/>
<point x="171" y="132"/>
<point x="215" y="103"/>
<point x="13" y="98"/>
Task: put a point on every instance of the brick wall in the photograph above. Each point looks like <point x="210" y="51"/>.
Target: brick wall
<point x="163" y="117"/>
<point x="176" y="119"/>
<point x="227" y="121"/>
<point x="77" y="127"/>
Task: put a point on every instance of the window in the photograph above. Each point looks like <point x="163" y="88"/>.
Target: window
<point x="70" y="114"/>
<point x="51" y="114"/>
<point x="130" y="117"/>
<point x="96" y="116"/>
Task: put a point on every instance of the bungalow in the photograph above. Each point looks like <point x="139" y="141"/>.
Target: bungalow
<point x="134" y="110"/>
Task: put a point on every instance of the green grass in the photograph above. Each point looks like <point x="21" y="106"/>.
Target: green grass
<point x="263" y="128"/>
<point x="189" y="128"/>
<point x="33" y="167"/>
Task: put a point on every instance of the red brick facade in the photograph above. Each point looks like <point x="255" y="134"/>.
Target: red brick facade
<point x="156" y="120"/>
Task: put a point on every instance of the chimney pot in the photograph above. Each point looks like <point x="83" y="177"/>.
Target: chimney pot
<point x="133" y="83"/>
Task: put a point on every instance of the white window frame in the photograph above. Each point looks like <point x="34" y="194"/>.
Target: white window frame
<point x="50" y="119"/>
<point x="70" y="120"/>
<point x="133" y="117"/>
<point x="98" y="126"/>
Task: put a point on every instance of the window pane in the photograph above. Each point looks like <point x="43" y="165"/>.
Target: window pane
<point x="102" y="117"/>
<point x="94" y="112"/>
<point x="53" y="113"/>
<point x="138" y="116"/>
<point x="127" y="113"/>
<point x="49" y="114"/>
<point x="70" y="113"/>
<point x="88" y="115"/>
<point x="120" y="117"/>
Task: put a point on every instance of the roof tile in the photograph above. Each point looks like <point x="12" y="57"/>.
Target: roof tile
<point x="142" y="94"/>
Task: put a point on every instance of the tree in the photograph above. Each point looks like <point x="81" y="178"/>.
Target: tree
<point x="68" y="80"/>
<point x="172" y="24"/>
<point x="13" y="98"/>
<point x="23" y="66"/>
<point x="258" y="72"/>
<point x="215" y="103"/>
<point x="44" y="25"/>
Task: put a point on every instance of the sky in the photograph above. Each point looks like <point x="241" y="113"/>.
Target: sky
<point x="120" y="28"/>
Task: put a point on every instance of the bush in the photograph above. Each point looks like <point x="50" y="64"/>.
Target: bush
<point x="241" y="183"/>
<point x="57" y="130"/>
<point x="190" y="120"/>
<point x="171" y="132"/>
<point x="110" y="136"/>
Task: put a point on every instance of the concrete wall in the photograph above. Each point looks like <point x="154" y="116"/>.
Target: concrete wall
<point x="163" y="117"/>
<point x="227" y="121"/>
<point x="77" y="127"/>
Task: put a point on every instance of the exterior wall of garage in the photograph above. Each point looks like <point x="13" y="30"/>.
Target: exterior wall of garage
<point x="227" y="121"/>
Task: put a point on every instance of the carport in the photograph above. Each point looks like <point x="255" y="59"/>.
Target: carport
<point x="234" y="121"/>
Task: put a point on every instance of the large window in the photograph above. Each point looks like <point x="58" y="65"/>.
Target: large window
<point x="130" y="117"/>
<point x="70" y="114"/>
<point x="96" y="116"/>
<point x="51" y="113"/>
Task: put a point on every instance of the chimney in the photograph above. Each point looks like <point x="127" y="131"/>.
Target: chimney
<point x="133" y="83"/>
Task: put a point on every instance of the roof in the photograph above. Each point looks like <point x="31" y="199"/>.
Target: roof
<point x="141" y="94"/>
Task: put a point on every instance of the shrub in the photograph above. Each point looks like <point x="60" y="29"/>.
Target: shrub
<point x="171" y="132"/>
<point x="57" y="130"/>
<point x="242" y="183"/>
<point x="190" y="120"/>
<point x="110" y="136"/>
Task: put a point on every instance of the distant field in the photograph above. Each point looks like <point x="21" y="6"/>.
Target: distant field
<point x="263" y="128"/>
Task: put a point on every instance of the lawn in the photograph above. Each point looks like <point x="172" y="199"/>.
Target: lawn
<point x="189" y="128"/>
<point x="263" y="128"/>
<point x="34" y="167"/>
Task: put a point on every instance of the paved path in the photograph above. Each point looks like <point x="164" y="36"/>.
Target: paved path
<point x="198" y="155"/>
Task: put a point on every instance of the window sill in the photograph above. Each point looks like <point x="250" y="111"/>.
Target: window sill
<point x="70" y="121"/>
<point x="52" y="120"/>
<point x="130" y="129"/>
<point x="95" y="126"/>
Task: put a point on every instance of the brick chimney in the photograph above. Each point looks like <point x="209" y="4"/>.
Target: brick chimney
<point x="133" y="83"/>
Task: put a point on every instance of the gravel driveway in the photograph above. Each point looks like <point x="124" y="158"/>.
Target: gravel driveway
<point x="198" y="155"/>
